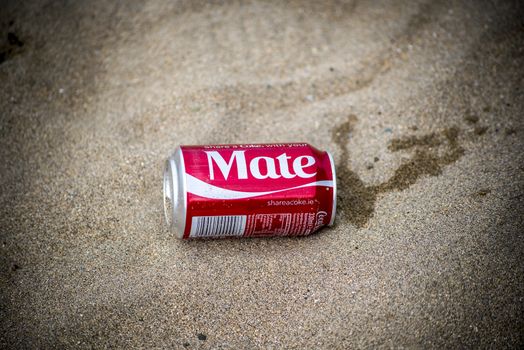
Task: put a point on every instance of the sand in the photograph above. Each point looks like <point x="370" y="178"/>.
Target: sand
<point x="420" y="103"/>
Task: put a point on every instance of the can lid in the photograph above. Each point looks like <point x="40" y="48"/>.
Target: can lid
<point x="333" y="172"/>
<point x="169" y="205"/>
<point x="174" y="194"/>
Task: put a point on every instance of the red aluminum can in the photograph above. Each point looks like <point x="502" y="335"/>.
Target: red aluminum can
<point x="250" y="190"/>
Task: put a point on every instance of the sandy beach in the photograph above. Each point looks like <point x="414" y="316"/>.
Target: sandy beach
<point x="420" y="102"/>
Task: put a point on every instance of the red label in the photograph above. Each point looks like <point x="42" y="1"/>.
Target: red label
<point x="257" y="190"/>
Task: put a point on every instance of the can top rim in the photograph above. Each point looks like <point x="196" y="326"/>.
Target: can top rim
<point x="334" y="174"/>
<point x="175" y="193"/>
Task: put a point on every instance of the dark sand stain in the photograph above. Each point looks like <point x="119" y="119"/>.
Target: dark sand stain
<point x="408" y="142"/>
<point x="354" y="198"/>
<point x="357" y="201"/>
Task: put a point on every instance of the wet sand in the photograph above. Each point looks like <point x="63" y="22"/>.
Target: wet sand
<point x="420" y="103"/>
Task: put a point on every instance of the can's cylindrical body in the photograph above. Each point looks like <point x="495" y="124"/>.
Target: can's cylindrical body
<point x="249" y="190"/>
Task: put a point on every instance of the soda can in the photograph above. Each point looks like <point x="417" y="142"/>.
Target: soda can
<point x="251" y="190"/>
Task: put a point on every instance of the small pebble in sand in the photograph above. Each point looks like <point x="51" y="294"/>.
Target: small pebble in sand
<point x="471" y="118"/>
<point x="483" y="192"/>
<point x="13" y="40"/>
<point x="201" y="336"/>
<point x="511" y="131"/>
<point x="481" y="130"/>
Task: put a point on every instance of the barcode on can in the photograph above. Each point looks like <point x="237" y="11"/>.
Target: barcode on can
<point x="212" y="226"/>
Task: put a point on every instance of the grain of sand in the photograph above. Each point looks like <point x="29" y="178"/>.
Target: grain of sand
<point x="420" y="102"/>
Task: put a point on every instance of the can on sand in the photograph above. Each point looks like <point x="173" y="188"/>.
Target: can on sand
<point x="249" y="190"/>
